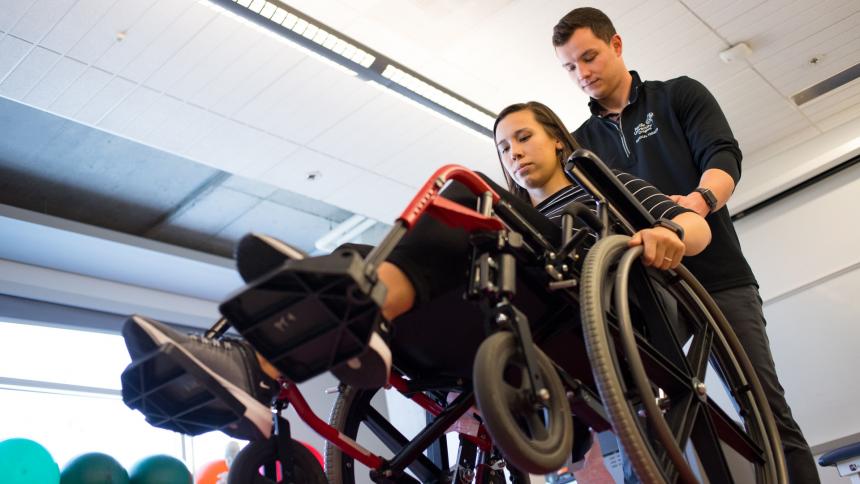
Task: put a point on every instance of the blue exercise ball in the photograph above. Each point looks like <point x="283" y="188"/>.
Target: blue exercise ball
<point x="160" y="469"/>
<point x="23" y="461"/>
<point x="94" y="468"/>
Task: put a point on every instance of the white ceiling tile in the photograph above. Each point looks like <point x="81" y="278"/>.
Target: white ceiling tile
<point x="151" y="119"/>
<point x="812" y="35"/>
<point x="239" y="149"/>
<point x="833" y="101"/>
<point x="231" y="80"/>
<point x="128" y="110"/>
<point x="259" y="152"/>
<point x="113" y="93"/>
<point x="41" y="18"/>
<point x="851" y="112"/>
<point x="286" y="62"/>
<point x="145" y="30"/>
<point x="169" y="42"/>
<point x="121" y="16"/>
<point x="292" y="174"/>
<point x="28" y="73"/>
<point x="206" y="72"/>
<point x="184" y="125"/>
<point x="200" y="49"/>
<point x="12" y="12"/>
<point x="277" y="86"/>
<point x="776" y="32"/>
<point x="373" y="196"/>
<point x="77" y="22"/>
<point x="58" y="79"/>
<point x="444" y="146"/>
<point x="376" y="131"/>
<point x="80" y="92"/>
<point x="316" y="104"/>
<point x="836" y="60"/>
<point x="12" y="51"/>
<point x="722" y="13"/>
<point x="755" y="26"/>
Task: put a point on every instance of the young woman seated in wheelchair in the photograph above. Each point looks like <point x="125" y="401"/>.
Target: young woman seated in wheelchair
<point x="532" y="145"/>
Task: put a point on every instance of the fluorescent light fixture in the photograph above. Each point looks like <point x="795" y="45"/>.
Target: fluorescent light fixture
<point x="438" y="96"/>
<point x="322" y="41"/>
<point x="346" y="231"/>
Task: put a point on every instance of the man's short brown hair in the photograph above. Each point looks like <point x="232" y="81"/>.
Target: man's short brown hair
<point x="585" y="17"/>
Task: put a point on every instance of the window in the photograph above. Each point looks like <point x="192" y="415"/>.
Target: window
<point x="61" y="388"/>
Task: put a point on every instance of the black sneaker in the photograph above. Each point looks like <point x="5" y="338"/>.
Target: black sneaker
<point x="370" y="369"/>
<point x="257" y="254"/>
<point x="226" y="368"/>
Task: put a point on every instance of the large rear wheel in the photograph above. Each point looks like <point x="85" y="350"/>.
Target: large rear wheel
<point x="656" y="365"/>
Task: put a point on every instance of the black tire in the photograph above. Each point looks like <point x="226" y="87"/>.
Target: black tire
<point x="246" y="467"/>
<point x="536" y="441"/>
<point x="339" y="467"/>
<point x="713" y="340"/>
<point x="602" y="358"/>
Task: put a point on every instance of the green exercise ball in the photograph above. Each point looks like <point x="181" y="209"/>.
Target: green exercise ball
<point x="160" y="469"/>
<point x="23" y="461"/>
<point x="94" y="468"/>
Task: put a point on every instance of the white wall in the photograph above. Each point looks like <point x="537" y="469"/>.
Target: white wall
<point x="804" y="252"/>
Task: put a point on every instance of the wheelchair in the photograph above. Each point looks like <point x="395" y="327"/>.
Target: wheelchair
<point x="545" y="340"/>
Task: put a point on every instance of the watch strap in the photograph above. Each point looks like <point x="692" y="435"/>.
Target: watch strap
<point x="668" y="224"/>
<point x="709" y="197"/>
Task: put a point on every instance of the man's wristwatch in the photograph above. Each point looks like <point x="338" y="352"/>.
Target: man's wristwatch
<point x="709" y="197"/>
<point x="668" y="224"/>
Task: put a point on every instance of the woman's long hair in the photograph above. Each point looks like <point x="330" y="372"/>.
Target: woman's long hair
<point x="554" y="128"/>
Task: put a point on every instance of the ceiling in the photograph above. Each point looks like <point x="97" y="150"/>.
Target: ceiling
<point x="170" y="121"/>
<point x="192" y="81"/>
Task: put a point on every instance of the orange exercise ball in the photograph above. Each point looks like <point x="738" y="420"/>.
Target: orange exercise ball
<point x="209" y="473"/>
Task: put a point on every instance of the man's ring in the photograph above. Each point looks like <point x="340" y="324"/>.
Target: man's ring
<point x="667" y="259"/>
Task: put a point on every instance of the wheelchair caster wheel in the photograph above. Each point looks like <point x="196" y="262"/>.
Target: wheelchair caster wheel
<point x="246" y="468"/>
<point x="536" y="440"/>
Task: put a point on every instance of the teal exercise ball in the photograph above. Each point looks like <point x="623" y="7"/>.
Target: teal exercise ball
<point x="94" y="468"/>
<point x="23" y="461"/>
<point x="160" y="469"/>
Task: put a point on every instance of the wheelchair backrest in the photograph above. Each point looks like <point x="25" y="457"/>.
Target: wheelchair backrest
<point x="589" y="171"/>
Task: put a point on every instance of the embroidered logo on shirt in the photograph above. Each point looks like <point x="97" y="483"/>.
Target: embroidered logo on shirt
<point x="646" y="129"/>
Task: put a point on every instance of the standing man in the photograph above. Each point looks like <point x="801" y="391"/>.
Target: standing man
<point x="674" y="135"/>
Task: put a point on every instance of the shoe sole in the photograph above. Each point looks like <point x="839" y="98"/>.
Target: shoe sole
<point x="223" y="403"/>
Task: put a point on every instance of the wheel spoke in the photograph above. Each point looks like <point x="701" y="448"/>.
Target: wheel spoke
<point x="700" y="349"/>
<point x="681" y="417"/>
<point x="662" y="372"/>
<point x="513" y="396"/>
<point x="537" y="425"/>
<point x="733" y="434"/>
<point x="709" y="450"/>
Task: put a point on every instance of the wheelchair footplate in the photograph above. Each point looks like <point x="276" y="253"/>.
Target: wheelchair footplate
<point x="309" y="315"/>
<point x="174" y="393"/>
